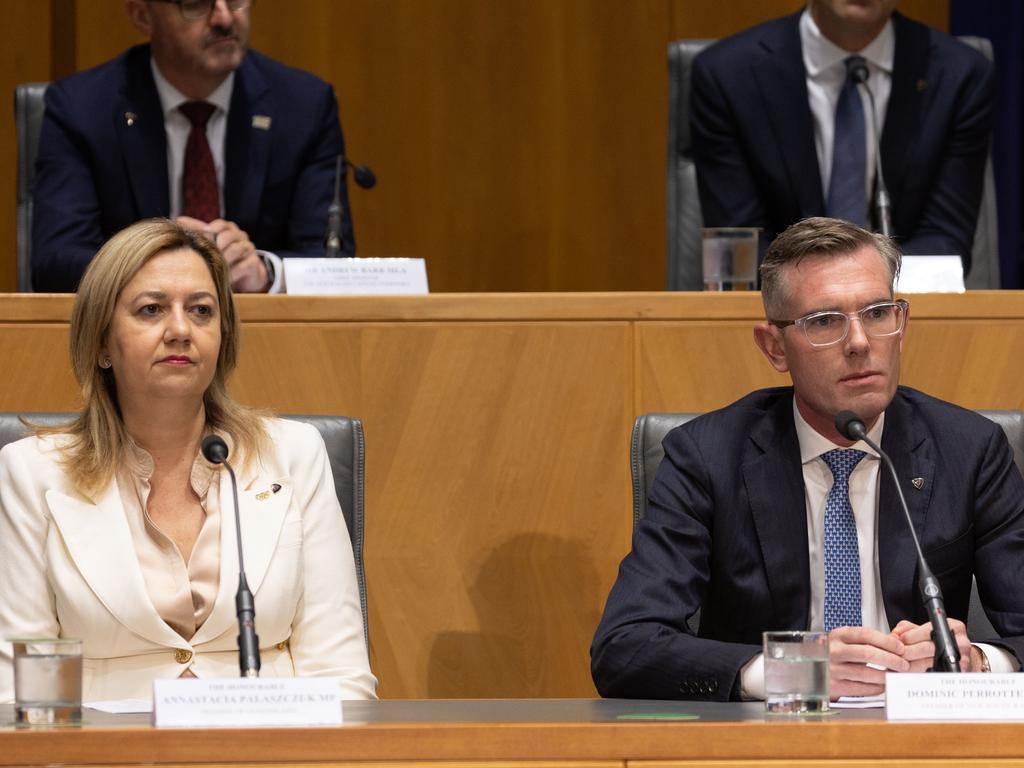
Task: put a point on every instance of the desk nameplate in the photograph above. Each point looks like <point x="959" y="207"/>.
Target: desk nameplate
<point x="967" y="696"/>
<point x="355" y="277"/>
<point x="195" y="703"/>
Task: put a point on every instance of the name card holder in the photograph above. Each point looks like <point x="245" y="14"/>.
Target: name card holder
<point x="355" y="277"/>
<point x="951" y="696"/>
<point x="931" y="274"/>
<point x="233" y="702"/>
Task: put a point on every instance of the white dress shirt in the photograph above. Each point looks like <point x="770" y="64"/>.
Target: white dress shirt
<point x="177" y="128"/>
<point x="826" y="73"/>
<point x="864" y="501"/>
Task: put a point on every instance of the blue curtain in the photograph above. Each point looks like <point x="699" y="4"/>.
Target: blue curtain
<point x="1002" y="22"/>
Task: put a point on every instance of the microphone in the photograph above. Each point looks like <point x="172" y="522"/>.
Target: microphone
<point x="363" y="174"/>
<point x="332" y="240"/>
<point x="366" y="179"/>
<point x="215" y="451"/>
<point x="947" y="655"/>
<point x="882" y="202"/>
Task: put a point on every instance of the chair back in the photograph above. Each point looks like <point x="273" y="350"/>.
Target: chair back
<point x="646" y="453"/>
<point x="685" y="271"/>
<point x="346" y="452"/>
<point x="985" y="252"/>
<point x="684" y="215"/>
<point x="28" y="117"/>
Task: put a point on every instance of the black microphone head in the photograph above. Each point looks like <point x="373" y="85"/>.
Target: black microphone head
<point x="850" y="426"/>
<point x="215" y="450"/>
<point x="364" y="176"/>
<point x="858" y="69"/>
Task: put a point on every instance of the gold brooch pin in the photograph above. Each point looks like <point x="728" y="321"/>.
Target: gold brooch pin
<point x="263" y="496"/>
<point x="261" y="121"/>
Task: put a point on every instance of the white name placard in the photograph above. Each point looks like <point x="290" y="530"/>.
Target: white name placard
<point x="195" y="703"/>
<point x="931" y="274"/>
<point x="951" y="696"/>
<point x="355" y="277"/>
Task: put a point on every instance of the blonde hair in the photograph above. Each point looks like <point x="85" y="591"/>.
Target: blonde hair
<point x="97" y="439"/>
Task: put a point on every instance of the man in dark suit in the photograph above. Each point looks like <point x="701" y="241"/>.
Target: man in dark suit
<point x="766" y="131"/>
<point x="746" y="516"/>
<point x="118" y="144"/>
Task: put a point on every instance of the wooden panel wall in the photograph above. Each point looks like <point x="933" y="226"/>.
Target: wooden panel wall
<point x="24" y="36"/>
<point x="498" y="496"/>
<point x="520" y="144"/>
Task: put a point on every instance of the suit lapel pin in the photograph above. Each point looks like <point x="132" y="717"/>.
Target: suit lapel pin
<point x="918" y="482"/>
<point x="261" y="121"/>
<point x="922" y="85"/>
<point x="129" y="118"/>
<point x="264" y="495"/>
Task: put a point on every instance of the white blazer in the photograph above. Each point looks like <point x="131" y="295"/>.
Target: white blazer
<point x="68" y="568"/>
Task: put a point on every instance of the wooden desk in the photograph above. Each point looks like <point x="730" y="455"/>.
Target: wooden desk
<point x="498" y="495"/>
<point x="530" y="734"/>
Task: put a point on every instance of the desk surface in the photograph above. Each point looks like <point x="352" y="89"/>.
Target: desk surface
<point x="551" y="731"/>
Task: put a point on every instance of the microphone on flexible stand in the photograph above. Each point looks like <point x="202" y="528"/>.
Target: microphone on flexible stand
<point x="882" y="202"/>
<point x="947" y="654"/>
<point x="366" y="179"/>
<point x="215" y="451"/>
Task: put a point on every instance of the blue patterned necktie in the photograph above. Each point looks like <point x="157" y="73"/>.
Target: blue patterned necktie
<point x="847" y="198"/>
<point x="842" y="558"/>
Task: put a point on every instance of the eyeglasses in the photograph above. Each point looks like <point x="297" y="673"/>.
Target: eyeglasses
<point x="193" y="10"/>
<point x="823" y="329"/>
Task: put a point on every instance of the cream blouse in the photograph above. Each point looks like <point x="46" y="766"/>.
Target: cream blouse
<point x="182" y="592"/>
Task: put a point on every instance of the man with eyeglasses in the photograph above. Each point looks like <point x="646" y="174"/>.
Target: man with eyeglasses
<point x="193" y="126"/>
<point x="763" y="517"/>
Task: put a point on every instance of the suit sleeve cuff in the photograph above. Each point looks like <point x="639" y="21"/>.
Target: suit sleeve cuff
<point x="999" y="659"/>
<point x="275" y="269"/>
<point x="752" y="679"/>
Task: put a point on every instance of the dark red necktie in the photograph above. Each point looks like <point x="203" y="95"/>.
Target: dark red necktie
<point x="199" y="178"/>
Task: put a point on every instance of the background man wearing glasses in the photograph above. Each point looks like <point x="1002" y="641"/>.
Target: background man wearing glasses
<point x="746" y="522"/>
<point x="195" y="125"/>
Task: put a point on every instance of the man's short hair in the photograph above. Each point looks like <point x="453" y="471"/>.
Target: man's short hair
<point x="813" y="237"/>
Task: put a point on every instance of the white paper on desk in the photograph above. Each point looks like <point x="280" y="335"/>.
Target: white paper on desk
<point x="931" y="274"/>
<point x="859" y="702"/>
<point x="121" y="706"/>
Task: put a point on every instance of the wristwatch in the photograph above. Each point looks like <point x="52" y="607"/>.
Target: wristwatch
<point x="985" y="666"/>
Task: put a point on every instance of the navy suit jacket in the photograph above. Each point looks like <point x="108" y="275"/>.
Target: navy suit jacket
<point x="102" y="162"/>
<point x="753" y="135"/>
<point x="726" y="532"/>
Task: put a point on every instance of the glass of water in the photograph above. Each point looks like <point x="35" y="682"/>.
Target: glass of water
<point x="796" y="672"/>
<point x="729" y="256"/>
<point x="47" y="680"/>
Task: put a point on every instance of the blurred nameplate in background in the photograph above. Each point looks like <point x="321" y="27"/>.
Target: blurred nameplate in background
<point x="931" y="274"/>
<point x="355" y="277"/>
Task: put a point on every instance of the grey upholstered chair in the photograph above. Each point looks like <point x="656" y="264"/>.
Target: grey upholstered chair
<point x="646" y="453"/>
<point x="345" y="450"/>
<point x="28" y="114"/>
<point x="684" y="215"/>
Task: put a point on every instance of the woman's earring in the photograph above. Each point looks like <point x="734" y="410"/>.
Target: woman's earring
<point x="104" y="362"/>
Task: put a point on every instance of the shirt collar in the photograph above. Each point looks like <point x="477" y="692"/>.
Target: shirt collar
<point x="171" y="98"/>
<point x="140" y="465"/>
<point x="812" y="444"/>
<point x="821" y="54"/>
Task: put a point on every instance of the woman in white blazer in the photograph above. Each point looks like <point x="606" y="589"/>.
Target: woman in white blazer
<point x="116" y="531"/>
